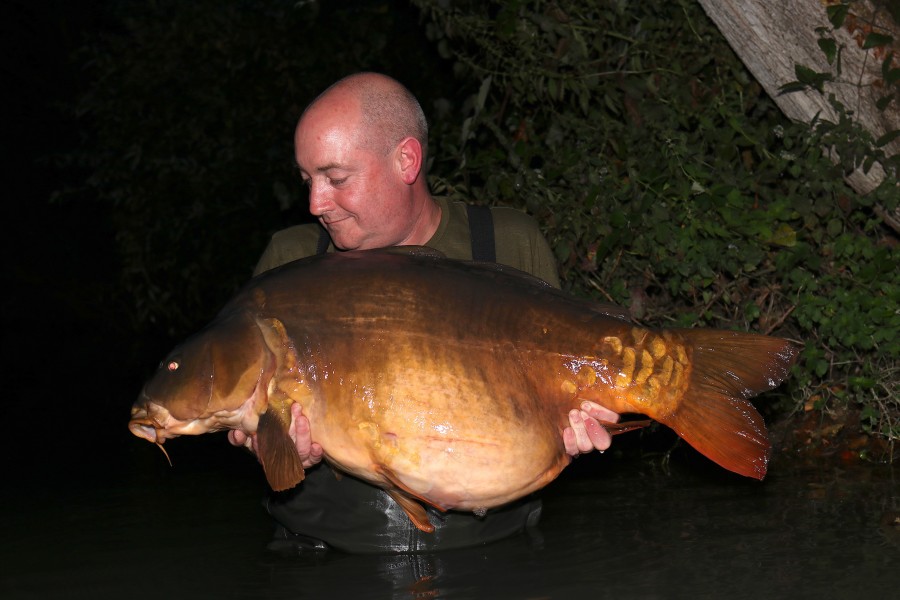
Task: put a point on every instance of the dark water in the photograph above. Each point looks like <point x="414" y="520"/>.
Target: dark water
<point x="125" y="525"/>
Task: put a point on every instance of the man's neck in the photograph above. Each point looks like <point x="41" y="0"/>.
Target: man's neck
<point x="427" y="222"/>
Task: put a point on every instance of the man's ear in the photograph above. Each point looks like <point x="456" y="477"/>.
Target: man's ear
<point x="409" y="160"/>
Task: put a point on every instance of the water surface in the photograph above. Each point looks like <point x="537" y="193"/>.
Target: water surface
<point x="124" y="524"/>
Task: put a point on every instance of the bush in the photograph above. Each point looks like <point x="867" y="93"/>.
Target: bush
<point x="668" y="181"/>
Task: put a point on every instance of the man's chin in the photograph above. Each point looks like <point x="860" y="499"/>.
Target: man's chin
<point x="345" y="244"/>
<point x="355" y="239"/>
<point x="342" y="239"/>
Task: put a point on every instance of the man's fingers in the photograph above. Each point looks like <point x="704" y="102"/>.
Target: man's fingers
<point x="598" y="435"/>
<point x="296" y="413"/>
<point x="585" y="433"/>
<point x="310" y="452"/>
<point x="236" y="438"/>
<point x="315" y="456"/>
<point x="582" y="439"/>
<point x="601" y="413"/>
<point x="569" y="442"/>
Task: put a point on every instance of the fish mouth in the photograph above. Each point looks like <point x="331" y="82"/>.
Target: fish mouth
<point x="147" y="429"/>
<point x="148" y="422"/>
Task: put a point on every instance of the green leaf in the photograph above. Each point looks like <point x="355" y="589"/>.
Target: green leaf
<point x="886" y="65"/>
<point x="784" y="235"/>
<point x="552" y="88"/>
<point x="887" y="138"/>
<point x="792" y="86"/>
<point x="805" y="74"/>
<point x="868" y="164"/>
<point x="829" y="47"/>
<point x="811" y="77"/>
<point x="882" y="103"/>
<point x="835" y="226"/>
<point x="869" y="412"/>
<point x="837" y="13"/>
<point x="874" y="40"/>
<point x="892" y="76"/>
<point x="482" y="94"/>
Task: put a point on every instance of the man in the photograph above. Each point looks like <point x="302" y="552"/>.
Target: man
<point x="361" y="149"/>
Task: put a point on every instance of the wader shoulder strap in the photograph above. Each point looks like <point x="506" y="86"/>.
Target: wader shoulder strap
<point x="323" y="242"/>
<point x="481" y="230"/>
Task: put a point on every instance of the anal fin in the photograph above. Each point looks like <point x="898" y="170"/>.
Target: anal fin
<point x="408" y="500"/>
<point x="414" y="510"/>
<point x="625" y="426"/>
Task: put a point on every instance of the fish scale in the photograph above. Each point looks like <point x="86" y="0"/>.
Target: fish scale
<point x="652" y="364"/>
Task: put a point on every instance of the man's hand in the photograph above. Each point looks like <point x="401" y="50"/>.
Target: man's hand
<point x="585" y="433"/>
<point x="310" y="453"/>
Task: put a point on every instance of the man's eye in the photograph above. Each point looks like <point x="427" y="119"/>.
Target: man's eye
<point x="338" y="181"/>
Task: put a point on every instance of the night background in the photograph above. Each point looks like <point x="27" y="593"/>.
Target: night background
<point x="60" y="259"/>
<point x="147" y="148"/>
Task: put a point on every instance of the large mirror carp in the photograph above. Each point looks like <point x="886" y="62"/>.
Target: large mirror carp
<point x="446" y="382"/>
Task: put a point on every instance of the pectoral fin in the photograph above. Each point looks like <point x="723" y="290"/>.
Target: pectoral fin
<point x="278" y="454"/>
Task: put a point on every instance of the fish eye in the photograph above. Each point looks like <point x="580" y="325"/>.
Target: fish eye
<point x="172" y="365"/>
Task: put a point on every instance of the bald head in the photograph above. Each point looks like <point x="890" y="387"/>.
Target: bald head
<point x="360" y="148"/>
<point x="387" y="111"/>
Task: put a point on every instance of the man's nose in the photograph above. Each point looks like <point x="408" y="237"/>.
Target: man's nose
<point x="319" y="200"/>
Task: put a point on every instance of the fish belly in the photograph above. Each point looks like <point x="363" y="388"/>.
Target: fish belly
<point x="455" y="427"/>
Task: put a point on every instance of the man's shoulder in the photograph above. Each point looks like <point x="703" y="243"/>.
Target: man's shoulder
<point x="297" y="233"/>
<point x="506" y="217"/>
<point x="289" y="244"/>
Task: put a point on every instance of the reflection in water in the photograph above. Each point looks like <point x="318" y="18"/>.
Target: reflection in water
<point x="610" y="529"/>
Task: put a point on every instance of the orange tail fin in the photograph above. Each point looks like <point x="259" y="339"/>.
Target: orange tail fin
<point x="715" y="417"/>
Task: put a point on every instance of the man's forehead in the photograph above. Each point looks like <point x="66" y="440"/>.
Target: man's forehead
<point x="312" y="163"/>
<point x="330" y="130"/>
<point x="323" y="148"/>
<point x="335" y="109"/>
